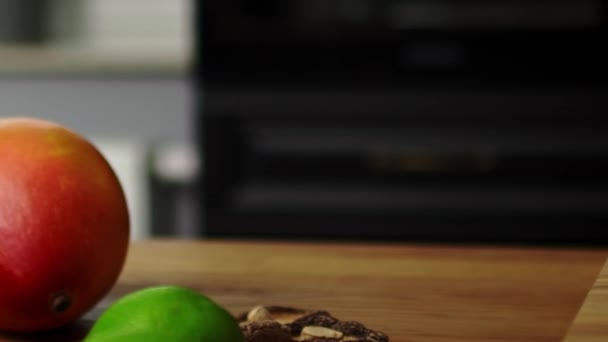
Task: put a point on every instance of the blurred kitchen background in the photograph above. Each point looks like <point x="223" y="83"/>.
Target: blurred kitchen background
<point x="115" y="70"/>
<point x="350" y="119"/>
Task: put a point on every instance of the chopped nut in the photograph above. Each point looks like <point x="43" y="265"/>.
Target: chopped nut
<point x="321" y="332"/>
<point x="351" y="339"/>
<point x="258" y="314"/>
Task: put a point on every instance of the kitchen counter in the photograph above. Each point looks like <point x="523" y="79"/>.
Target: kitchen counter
<point x="591" y="323"/>
<point x="410" y="292"/>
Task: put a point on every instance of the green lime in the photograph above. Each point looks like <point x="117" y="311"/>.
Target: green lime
<point x="166" y="313"/>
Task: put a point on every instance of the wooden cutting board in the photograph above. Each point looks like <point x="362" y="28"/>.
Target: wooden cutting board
<point x="591" y="322"/>
<point x="418" y="293"/>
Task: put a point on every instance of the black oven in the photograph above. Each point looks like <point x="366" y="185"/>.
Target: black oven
<point x="443" y="119"/>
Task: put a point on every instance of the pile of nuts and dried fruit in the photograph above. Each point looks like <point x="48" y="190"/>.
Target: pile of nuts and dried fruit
<point x="284" y="324"/>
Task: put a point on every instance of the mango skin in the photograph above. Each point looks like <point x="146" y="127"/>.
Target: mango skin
<point x="64" y="225"/>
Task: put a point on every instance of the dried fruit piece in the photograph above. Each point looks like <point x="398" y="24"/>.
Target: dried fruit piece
<point x="268" y="331"/>
<point x="351" y="328"/>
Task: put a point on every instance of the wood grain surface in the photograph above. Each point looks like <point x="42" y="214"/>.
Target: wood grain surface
<point x="410" y="292"/>
<point x="591" y="323"/>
